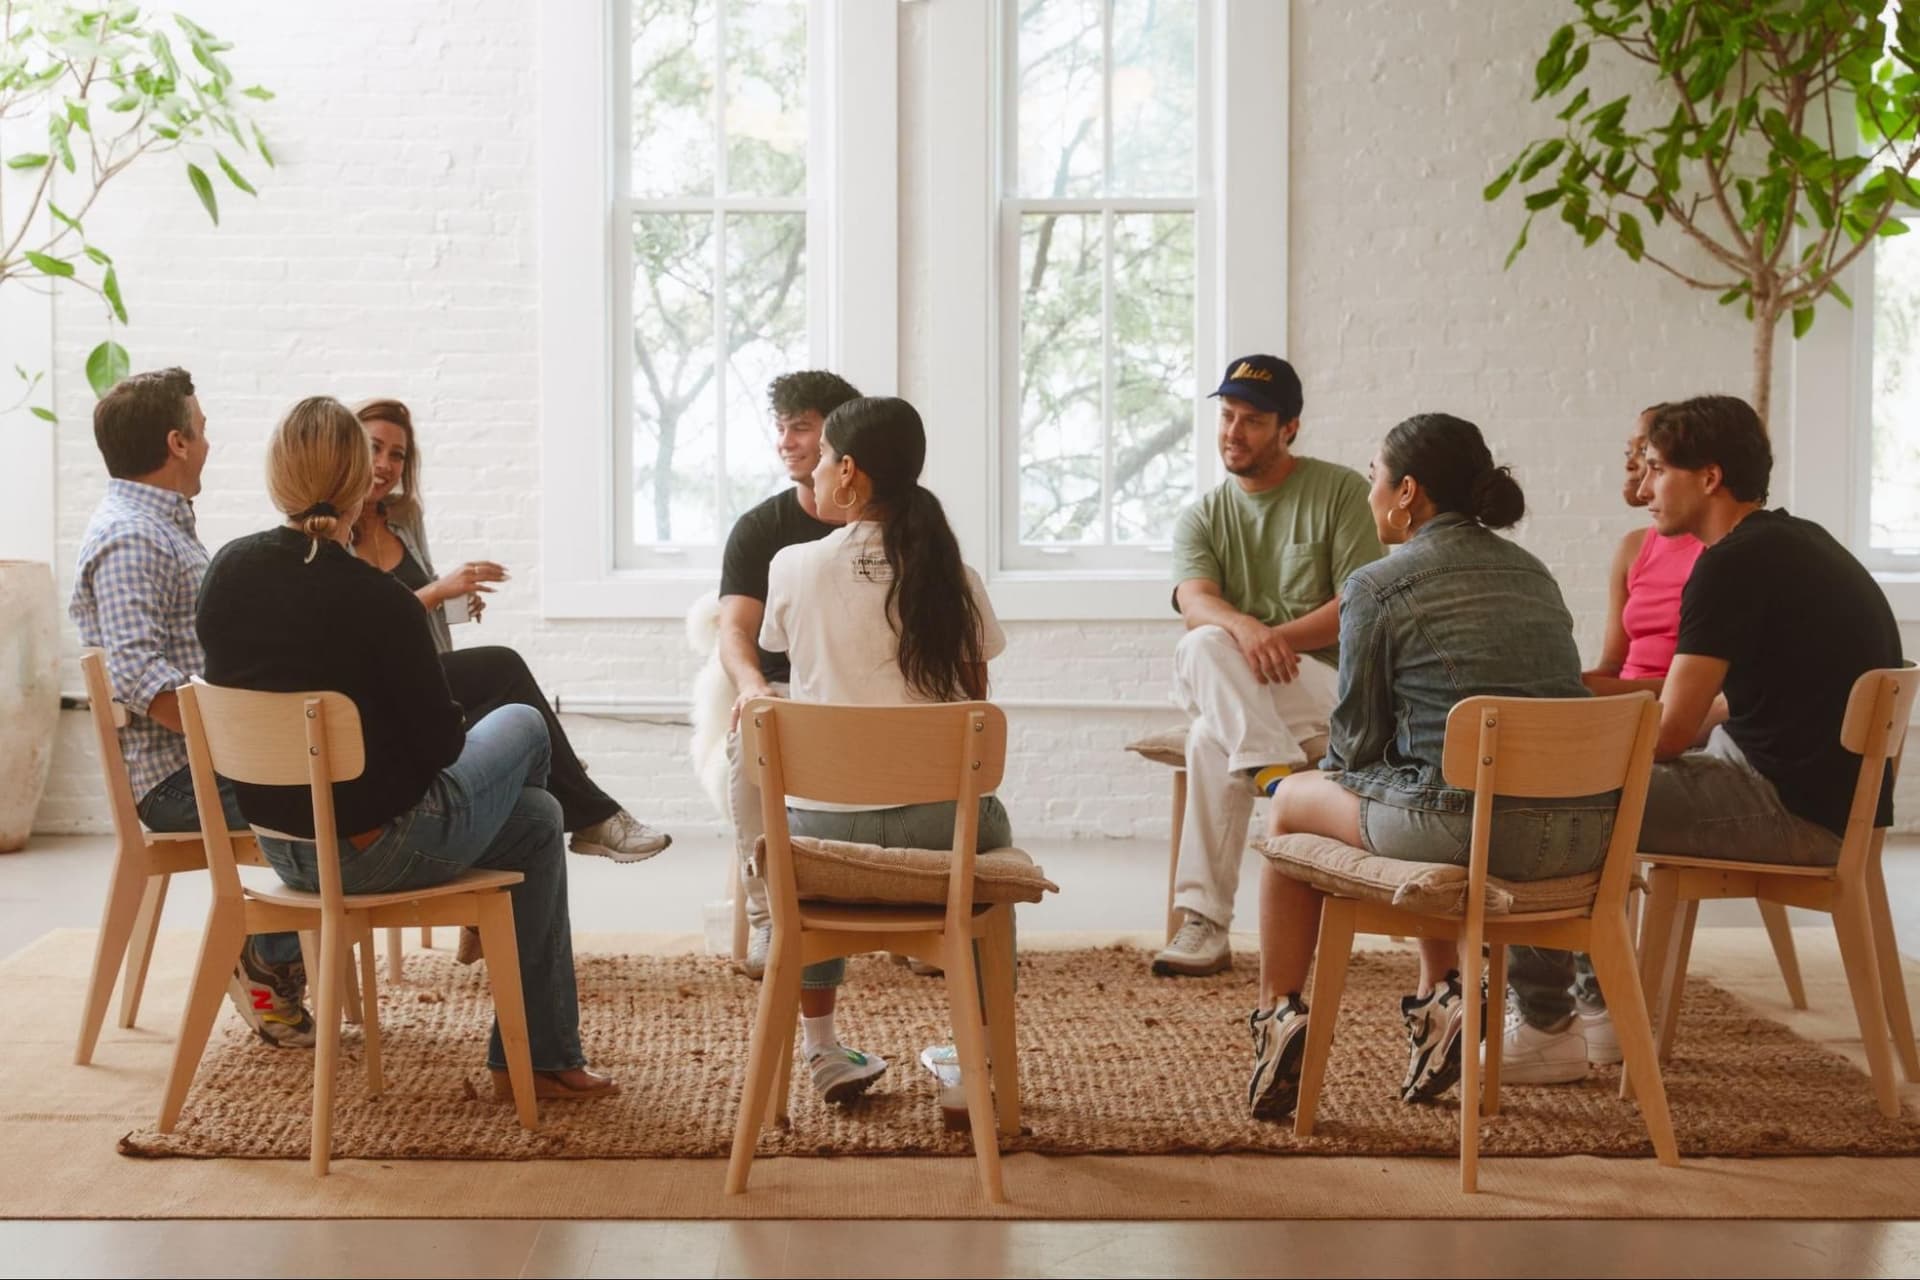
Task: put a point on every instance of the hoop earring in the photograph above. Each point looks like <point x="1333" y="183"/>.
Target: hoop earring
<point x="845" y="504"/>
<point x="1405" y="525"/>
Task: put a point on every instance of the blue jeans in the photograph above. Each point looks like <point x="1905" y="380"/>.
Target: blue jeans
<point x="487" y="809"/>
<point x="170" y="806"/>
<point x="911" y="826"/>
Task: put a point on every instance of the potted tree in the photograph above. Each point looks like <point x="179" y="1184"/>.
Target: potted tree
<point x="86" y="90"/>
<point x="1775" y="138"/>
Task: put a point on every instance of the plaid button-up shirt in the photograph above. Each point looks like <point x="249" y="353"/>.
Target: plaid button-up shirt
<point x="133" y="596"/>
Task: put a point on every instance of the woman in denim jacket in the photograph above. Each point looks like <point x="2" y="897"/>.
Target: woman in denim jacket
<point x="1454" y="611"/>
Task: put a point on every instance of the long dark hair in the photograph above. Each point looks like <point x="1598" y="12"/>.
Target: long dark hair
<point x="929" y="600"/>
<point x="1450" y="459"/>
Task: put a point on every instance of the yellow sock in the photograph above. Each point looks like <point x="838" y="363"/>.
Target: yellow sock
<point x="1268" y="779"/>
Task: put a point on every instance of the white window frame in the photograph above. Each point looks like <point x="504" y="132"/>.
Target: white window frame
<point x="852" y="268"/>
<point x="1245" y="89"/>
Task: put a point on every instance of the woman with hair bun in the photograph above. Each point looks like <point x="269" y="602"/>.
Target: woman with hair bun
<point x="1455" y="611"/>
<point x="291" y="609"/>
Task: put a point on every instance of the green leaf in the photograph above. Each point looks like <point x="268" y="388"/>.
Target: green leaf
<point x="50" y="266"/>
<point x="260" y="141"/>
<point x="99" y="256"/>
<point x="62" y="216"/>
<point x="1552" y="62"/>
<point x="77" y="116"/>
<point x="256" y="91"/>
<point x="57" y="127"/>
<point x="1802" y="321"/>
<point x="1628" y="237"/>
<point x="1574" y="108"/>
<point x="1545" y="198"/>
<point x="45" y="415"/>
<point x="1493" y="189"/>
<point x="106" y="366"/>
<point x="1840" y="295"/>
<point x="1519" y="244"/>
<point x="31" y="160"/>
<point x="233" y="175"/>
<point x="111" y="287"/>
<point x="203" y="187"/>
<point x="1540" y="159"/>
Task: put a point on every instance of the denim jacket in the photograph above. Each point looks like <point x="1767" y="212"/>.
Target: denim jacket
<point x="1456" y="611"/>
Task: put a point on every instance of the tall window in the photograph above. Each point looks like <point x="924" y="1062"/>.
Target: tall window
<point x="1894" y="508"/>
<point x="1103" y="184"/>
<point x="712" y="186"/>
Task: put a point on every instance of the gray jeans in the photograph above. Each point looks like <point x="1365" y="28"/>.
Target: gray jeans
<point x="1709" y="803"/>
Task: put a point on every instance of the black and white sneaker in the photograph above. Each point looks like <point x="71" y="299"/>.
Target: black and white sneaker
<point x="1279" y="1047"/>
<point x="1433" y="1038"/>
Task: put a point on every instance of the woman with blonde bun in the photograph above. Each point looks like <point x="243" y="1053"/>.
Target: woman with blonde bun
<point x="291" y="609"/>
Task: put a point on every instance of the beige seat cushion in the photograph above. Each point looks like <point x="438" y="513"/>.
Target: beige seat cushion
<point x="1431" y="888"/>
<point x="1163" y="746"/>
<point x="841" y="871"/>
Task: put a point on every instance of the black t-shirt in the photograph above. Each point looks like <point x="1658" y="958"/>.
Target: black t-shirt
<point x="271" y="621"/>
<point x="1797" y="619"/>
<point x="759" y="534"/>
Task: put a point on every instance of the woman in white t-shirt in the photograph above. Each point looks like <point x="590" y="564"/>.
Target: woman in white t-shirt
<point x="879" y="612"/>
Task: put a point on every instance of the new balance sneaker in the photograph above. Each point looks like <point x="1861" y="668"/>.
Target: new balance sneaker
<point x="267" y="997"/>
<point x="759" y="942"/>
<point x="623" y="838"/>
<point x="1279" y="1047"/>
<point x="1596" y="1027"/>
<point x="1434" y="1024"/>
<point x="1196" y="950"/>
<point x="842" y="1074"/>
<point x="1529" y="1055"/>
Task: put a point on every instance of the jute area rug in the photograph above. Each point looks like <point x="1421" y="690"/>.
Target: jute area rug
<point x="60" y="1124"/>
<point x="1112" y="1061"/>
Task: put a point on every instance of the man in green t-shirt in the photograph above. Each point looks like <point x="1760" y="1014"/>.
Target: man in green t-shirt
<point x="1258" y="564"/>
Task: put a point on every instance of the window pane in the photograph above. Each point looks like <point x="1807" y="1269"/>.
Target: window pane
<point x="1895" y="507"/>
<point x="1058" y="81"/>
<point x="1060" y="375"/>
<point x="766" y="336"/>
<point x="675" y="421"/>
<point x="1153" y="326"/>
<point x="767" y="97"/>
<point x="1155" y="62"/>
<point x="672" y="63"/>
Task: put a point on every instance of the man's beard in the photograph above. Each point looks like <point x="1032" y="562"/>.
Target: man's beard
<point x="1260" y="462"/>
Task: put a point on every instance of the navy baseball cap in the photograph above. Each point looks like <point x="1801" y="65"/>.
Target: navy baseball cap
<point x="1268" y="383"/>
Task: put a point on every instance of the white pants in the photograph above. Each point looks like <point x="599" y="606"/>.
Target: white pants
<point x="1238" y="724"/>
<point x="743" y="801"/>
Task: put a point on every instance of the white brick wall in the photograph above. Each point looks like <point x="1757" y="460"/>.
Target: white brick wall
<point x="392" y="252"/>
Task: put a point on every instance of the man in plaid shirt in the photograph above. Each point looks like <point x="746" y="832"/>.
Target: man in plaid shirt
<point x="133" y="597"/>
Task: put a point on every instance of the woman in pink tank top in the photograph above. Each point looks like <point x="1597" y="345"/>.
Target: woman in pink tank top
<point x="1643" y="614"/>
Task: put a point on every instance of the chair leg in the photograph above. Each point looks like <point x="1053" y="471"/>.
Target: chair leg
<point x="1780" y="934"/>
<point x="1611" y="949"/>
<point x="125" y="894"/>
<point x="1688" y="918"/>
<point x="350" y="1010"/>
<point x="997" y="962"/>
<point x="970" y="1040"/>
<point x="509" y="1000"/>
<point x="1852" y="922"/>
<point x="370" y="1009"/>
<point x="396" y="963"/>
<point x="1496" y="1027"/>
<point x="780" y="1098"/>
<point x="220" y="947"/>
<point x="1893" y="983"/>
<point x="1173" y="851"/>
<point x="146" y="927"/>
<point x="426" y="937"/>
<point x="1656" y="937"/>
<point x="779" y="997"/>
<point x="1331" y="954"/>
<point x="1470" y="1099"/>
<point x="326" y="1056"/>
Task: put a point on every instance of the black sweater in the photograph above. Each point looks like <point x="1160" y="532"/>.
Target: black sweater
<point x="270" y="621"/>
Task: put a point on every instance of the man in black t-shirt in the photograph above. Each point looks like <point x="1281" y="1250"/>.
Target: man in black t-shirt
<point x="800" y="403"/>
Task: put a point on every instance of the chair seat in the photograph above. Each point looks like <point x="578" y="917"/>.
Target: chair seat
<point x="1429" y="888"/>
<point x="845" y="871"/>
<point x="281" y="895"/>
<point x="1734" y="864"/>
<point x="1163" y="746"/>
<point x="877" y="917"/>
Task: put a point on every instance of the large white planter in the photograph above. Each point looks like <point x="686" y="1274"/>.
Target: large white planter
<point x="29" y="693"/>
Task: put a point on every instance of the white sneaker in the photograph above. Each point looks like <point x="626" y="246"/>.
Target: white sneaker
<point x="622" y="838"/>
<point x="1529" y="1055"/>
<point x="1198" y="949"/>
<point x="842" y="1074"/>
<point x="1596" y="1026"/>
<point x="759" y="942"/>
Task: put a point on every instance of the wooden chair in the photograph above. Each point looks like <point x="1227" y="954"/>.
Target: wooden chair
<point x="1853" y="892"/>
<point x="313" y="739"/>
<point x="881" y="757"/>
<point x="1537" y="747"/>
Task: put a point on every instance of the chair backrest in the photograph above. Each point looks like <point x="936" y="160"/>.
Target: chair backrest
<point x="1544" y="748"/>
<point x="1875" y="729"/>
<point x="275" y="740"/>
<point x="875" y="757"/>
<point x="108" y="716"/>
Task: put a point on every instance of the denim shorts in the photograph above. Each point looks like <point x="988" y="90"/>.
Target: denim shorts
<point x="1529" y="841"/>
